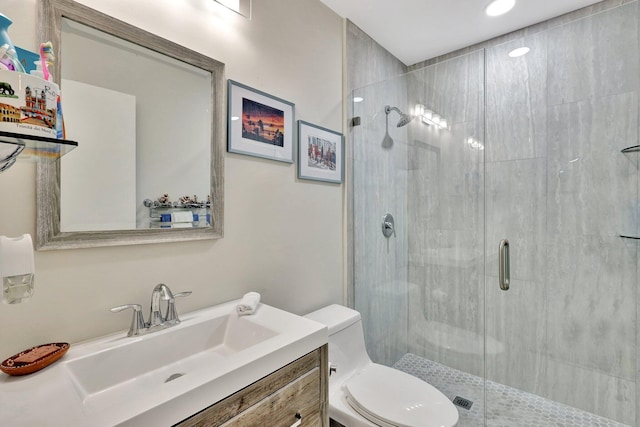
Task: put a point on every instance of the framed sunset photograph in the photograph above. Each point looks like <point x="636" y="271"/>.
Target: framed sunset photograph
<point x="320" y="152"/>
<point x="259" y="124"/>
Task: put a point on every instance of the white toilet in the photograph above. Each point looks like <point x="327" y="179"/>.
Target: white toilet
<point x="366" y="394"/>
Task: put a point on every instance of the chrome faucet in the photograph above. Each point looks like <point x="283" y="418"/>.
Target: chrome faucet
<point x="156" y="320"/>
<point x="162" y="293"/>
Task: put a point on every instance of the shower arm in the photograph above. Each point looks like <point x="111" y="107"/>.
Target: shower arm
<point x="388" y="109"/>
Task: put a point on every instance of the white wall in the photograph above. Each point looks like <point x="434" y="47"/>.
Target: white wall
<point x="283" y="236"/>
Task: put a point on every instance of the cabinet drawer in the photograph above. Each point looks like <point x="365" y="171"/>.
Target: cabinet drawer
<point x="279" y="410"/>
<point x="297" y="375"/>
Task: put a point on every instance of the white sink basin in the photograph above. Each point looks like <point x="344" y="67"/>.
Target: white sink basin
<point x="163" y="377"/>
<point x="152" y="359"/>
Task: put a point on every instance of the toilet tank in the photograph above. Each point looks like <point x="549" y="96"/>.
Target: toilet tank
<point x="347" y="351"/>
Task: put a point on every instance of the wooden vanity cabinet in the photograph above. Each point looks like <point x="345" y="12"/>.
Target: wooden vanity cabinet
<point x="296" y="394"/>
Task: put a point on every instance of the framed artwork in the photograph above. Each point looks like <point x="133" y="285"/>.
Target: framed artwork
<point x="321" y="153"/>
<point x="259" y="124"/>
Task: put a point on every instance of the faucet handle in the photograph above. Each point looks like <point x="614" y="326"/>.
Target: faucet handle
<point x="182" y="294"/>
<point x="172" y="315"/>
<point x="137" y="321"/>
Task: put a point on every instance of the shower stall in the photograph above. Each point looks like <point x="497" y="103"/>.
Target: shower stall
<point x="509" y="280"/>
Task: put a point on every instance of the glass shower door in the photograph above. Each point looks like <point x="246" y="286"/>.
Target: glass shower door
<point x="531" y="154"/>
<point x="445" y="335"/>
<point x="561" y="192"/>
<point x="421" y="290"/>
<point x="380" y="188"/>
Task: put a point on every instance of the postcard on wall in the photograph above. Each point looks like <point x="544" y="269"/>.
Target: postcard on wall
<point x="321" y="153"/>
<point x="259" y="124"/>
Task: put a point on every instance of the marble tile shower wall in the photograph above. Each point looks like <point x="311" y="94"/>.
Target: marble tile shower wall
<point x="381" y="180"/>
<point x="376" y="264"/>
<point x="558" y="187"/>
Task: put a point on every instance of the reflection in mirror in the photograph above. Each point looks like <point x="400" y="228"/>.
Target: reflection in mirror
<point x="148" y="117"/>
<point x="149" y="143"/>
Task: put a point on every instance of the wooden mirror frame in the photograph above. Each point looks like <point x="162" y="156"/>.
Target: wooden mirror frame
<point x="48" y="232"/>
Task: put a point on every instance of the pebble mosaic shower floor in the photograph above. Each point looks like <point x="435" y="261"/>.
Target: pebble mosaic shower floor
<point x="509" y="407"/>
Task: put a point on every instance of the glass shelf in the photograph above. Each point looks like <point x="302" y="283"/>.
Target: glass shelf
<point x="162" y="215"/>
<point x="38" y="148"/>
<point x="631" y="149"/>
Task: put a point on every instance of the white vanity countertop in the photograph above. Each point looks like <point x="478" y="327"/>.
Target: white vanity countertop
<point x="54" y="397"/>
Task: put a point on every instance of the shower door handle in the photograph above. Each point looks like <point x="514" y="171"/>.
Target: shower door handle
<point x="503" y="265"/>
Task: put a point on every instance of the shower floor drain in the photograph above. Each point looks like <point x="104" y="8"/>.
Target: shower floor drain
<point x="462" y="402"/>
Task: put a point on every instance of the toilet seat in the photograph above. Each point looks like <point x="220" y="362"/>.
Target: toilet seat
<point x="391" y="398"/>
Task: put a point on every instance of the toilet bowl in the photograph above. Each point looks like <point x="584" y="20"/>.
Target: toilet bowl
<point x="366" y="394"/>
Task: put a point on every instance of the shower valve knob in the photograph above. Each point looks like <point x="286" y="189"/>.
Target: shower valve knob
<point x="388" y="225"/>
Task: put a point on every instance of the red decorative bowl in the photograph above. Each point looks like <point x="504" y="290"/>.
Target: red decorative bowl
<point x="34" y="359"/>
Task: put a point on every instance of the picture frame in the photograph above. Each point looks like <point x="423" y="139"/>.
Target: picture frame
<point x="259" y="124"/>
<point x="320" y="153"/>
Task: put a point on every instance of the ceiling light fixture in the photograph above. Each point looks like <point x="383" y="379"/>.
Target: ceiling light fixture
<point x="519" y="52"/>
<point x="499" y="7"/>
<point x="358" y="99"/>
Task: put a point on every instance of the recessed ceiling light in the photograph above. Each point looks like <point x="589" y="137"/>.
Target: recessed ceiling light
<point x="358" y="99"/>
<point x="519" y="52"/>
<point x="499" y="7"/>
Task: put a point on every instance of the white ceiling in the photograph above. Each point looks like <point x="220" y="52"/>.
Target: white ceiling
<point x="416" y="30"/>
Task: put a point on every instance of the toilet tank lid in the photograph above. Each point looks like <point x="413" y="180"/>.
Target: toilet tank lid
<point x="337" y="317"/>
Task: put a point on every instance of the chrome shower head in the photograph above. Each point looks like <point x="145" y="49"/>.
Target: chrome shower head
<point x="405" y="119"/>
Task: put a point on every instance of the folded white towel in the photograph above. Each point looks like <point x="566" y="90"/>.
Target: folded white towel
<point x="182" y="225"/>
<point x="182" y="216"/>
<point x="248" y="303"/>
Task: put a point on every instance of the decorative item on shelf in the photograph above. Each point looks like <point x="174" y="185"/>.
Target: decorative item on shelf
<point x="17" y="268"/>
<point x="164" y="199"/>
<point x="187" y="212"/>
<point x="9" y="60"/>
<point x="27" y="59"/>
<point x="34" y="359"/>
<point x="320" y="152"/>
<point x="46" y="60"/>
<point x="259" y="124"/>
<point x="28" y="104"/>
<point x="187" y="200"/>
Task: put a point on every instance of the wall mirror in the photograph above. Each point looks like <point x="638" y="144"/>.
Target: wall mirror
<point x="148" y="115"/>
